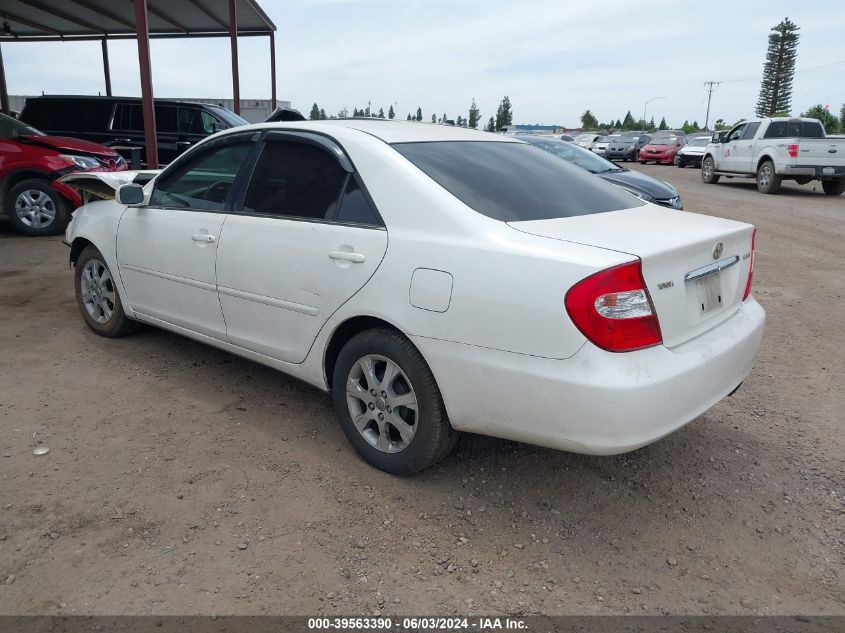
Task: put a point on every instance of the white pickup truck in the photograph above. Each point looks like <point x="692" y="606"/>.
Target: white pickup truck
<point x="774" y="150"/>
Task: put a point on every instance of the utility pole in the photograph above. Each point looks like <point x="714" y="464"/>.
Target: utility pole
<point x="711" y="86"/>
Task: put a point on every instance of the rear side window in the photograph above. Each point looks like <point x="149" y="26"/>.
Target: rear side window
<point x="354" y="207"/>
<point x="295" y="180"/>
<point x="68" y="115"/>
<point x="512" y="182"/>
<point x="128" y="116"/>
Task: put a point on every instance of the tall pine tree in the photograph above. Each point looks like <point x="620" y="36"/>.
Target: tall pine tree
<point x="315" y="112"/>
<point x="491" y="125"/>
<point x="390" y="113"/>
<point x="381" y="113"/>
<point x="779" y="70"/>
<point x="504" y="114"/>
<point x="589" y="120"/>
<point x="474" y="115"/>
<point x="419" y="114"/>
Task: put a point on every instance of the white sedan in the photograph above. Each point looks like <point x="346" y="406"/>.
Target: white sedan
<point x="434" y="279"/>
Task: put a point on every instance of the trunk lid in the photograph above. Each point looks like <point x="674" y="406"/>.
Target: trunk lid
<point x="692" y="285"/>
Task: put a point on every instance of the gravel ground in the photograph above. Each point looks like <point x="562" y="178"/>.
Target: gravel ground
<point x="182" y="480"/>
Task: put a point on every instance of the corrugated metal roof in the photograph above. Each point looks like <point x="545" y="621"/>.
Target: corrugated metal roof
<point x="68" y="19"/>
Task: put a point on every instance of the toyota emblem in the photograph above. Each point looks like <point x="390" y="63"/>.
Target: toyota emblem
<point x="717" y="250"/>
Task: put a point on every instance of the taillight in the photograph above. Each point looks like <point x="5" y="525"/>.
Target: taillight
<point x="792" y="150"/>
<point x="750" y="267"/>
<point x="613" y="309"/>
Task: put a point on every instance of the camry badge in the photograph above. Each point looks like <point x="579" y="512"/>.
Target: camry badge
<point x="717" y="250"/>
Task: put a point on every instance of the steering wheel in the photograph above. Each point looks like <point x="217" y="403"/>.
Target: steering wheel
<point x="217" y="192"/>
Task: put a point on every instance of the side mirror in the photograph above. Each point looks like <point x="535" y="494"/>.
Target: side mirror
<point x="130" y="194"/>
<point x="219" y="127"/>
<point x="718" y="137"/>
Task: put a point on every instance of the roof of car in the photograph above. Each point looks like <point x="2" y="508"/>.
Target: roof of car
<point x="398" y="131"/>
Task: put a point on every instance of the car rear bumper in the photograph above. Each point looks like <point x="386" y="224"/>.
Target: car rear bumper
<point x="595" y="402"/>
<point x="814" y="171"/>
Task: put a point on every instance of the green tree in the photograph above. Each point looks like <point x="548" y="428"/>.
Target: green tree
<point x="779" y="70"/>
<point x="663" y="125"/>
<point x="651" y="125"/>
<point x="381" y="113"/>
<point x="323" y="114"/>
<point x="721" y="125"/>
<point x="419" y="114"/>
<point x="491" y="125"/>
<point x="410" y="118"/>
<point x="391" y="114"/>
<point x="434" y="118"/>
<point x="443" y="120"/>
<point x="589" y="120"/>
<point x="475" y="115"/>
<point x="459" y="121"/>
<point x="504" y="114"/>
<point x="628" y="122"/>
<point x="842" y="117"/>
<point x="618" y="124"/>
<point x="315" y="112"/>
<point x="342" y="114"/>
<point x="830" y="122"/>
<point x="687" y="128"/>
<point x="355" y="112"/>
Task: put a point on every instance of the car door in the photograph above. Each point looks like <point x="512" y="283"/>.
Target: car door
<point x="167" y="250"/>
<point x="728" y="157"/>
<point x="742" y="157"/>
<point x="305" y="238"/>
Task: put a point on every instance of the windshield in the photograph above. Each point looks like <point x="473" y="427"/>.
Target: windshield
<point x="664" y="140"/>
<point x="12" y="128"/>
<point x="585" y="159"/>
<point x="512" y="182"/>
<point x="228" y="116"/>
<point x="699" y="142"/>
<point x="627" y="138"/>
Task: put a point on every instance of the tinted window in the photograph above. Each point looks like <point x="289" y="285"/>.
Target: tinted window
<point x="514" y="181"/>
<point x="12" y="128"/>
<point x="751" y="130"/>
<point x="789" y="129"/>
<point x="201" y="181"/>
<point x="196" y="121"/>
<point x="584" y="158"/>
<point x="128" y="116"/>
<point x="68" y="115"/>
<point x="295" y="180"/>
<point x="354" y="206"/>
<point x="165" y="119"/>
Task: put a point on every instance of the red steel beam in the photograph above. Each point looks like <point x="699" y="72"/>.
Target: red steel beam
<point x="233" y="38"/>
<point x="142" y="32"/>
<point x="272" y="71"/>
<point x="4" y="94"/>
<point x="106" y="72"/>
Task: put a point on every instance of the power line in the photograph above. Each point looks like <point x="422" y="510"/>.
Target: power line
<point x="797" y="72"/>
<point x="711" y="86"/>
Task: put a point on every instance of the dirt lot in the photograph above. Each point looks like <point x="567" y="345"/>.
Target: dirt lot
<point x="181" y="479"/>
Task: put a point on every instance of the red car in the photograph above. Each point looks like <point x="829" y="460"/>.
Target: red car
<point x="30" y="163"/>
<point x="662" y="148"/>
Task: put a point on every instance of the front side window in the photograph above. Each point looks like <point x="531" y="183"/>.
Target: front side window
<point x="736" y="133"/>
<point x="296" y="180"/>
<point x="202" y="181"/>
<point x="196" y="121"/>
<point x="751" y="130"/>
<point x="513" y="182"/>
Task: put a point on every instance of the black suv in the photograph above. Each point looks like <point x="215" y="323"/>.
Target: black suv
<point x="119" y="122"/>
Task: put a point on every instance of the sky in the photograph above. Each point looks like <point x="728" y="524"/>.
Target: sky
<point x="553" y="58"/>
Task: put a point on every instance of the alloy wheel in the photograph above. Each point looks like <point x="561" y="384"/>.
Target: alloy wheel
<point x="35" y="208"/>
<point x="382" y="403"/>
<point x="97" y="289"/>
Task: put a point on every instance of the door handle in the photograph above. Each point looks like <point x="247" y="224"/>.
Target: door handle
<point x="183" y="143"/>
<point x="203" y="237"/>
<point x="355" y="258"/>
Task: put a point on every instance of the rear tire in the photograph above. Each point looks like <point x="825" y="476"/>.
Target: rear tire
<point x="767" y="180"/>
<point x="97" y="296"/>
<point x="389" y="405"/>
<point x="35" y="208"/>
<point x="708" y="167"/>
<point x="833" y="187"/>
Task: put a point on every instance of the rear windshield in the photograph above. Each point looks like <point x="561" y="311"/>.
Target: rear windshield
<point x="788" y="129"/>
<point x="512" y="182"/>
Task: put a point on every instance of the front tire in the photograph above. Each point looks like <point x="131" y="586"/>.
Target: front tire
<point x="767" y="180"/>
<point x="680" y="162"/>
<point x="833" y="187"/>
<point x="708" y="168"/>
<point x="388" y="403"/>
<point x="35" y="208"/>
<point x="97" y="296"/>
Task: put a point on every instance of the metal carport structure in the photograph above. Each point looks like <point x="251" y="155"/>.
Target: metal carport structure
<point x="104" y="20"/>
